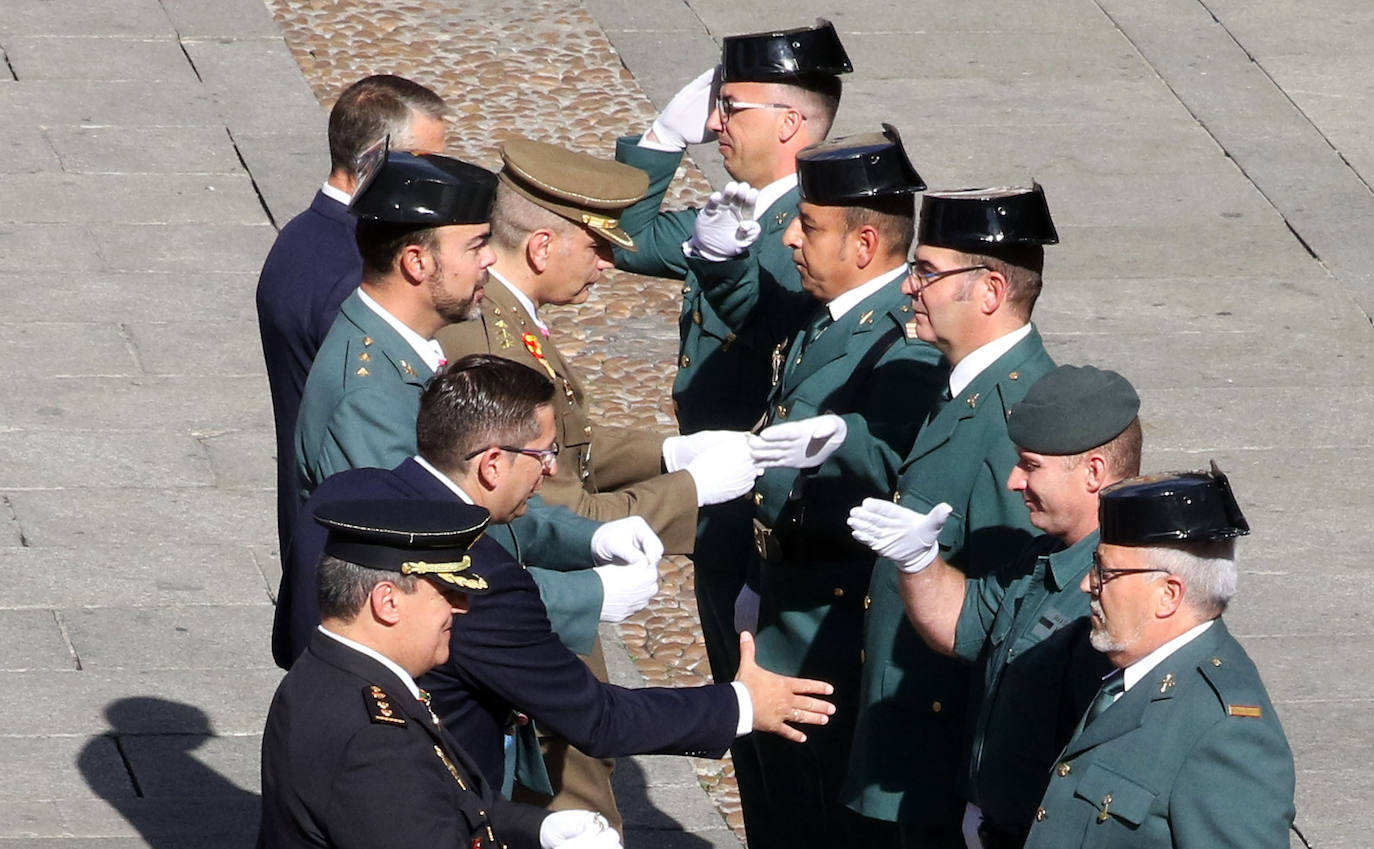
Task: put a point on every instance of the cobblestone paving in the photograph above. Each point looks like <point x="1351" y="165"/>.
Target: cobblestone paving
<point x="544" y="70"/>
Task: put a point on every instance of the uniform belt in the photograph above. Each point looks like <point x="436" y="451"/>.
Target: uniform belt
<point x="776" y="546"/>
<point x="997" y="837"/>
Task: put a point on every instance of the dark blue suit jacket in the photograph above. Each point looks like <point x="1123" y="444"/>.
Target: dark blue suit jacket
<point x="503" y="655"/>
<point x="313" y="265"/>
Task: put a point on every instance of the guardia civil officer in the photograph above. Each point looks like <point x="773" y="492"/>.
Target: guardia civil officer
<point x="554" y="226"/>
<point x="1181" y="748"/>
<point x="773" y="94"/>
<point x="314" y="263"/>
<point x="975" y="276"/>
<point x="352" y="756"/>
<point x="849" y="396"/>
<point x="1024" y="625"/>
<point x="422" y="232"/>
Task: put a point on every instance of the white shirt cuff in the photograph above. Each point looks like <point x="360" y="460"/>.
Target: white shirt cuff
<point x="654" y="144"/>
<point x="746" y="709"/>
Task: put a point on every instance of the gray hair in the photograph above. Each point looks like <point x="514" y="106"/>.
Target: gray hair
<point x="1208" y="571"/>
<point x="345" y="587"/>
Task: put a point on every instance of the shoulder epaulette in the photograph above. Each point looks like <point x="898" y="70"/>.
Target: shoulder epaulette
<point x="379" y="707"/>
<point x="1234" y="687"/>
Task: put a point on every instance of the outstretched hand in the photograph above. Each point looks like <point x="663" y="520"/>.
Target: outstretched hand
<point x="778" y="699"/>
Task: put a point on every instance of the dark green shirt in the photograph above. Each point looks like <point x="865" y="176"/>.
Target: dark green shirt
<point x="1025" y="628"/>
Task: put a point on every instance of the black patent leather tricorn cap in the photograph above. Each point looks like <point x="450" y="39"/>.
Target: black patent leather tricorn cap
<point x="764" y="57"/>
<point x="425" y="538"/>
<point x="1171" y="507"/>
<point x="428" y="190"/>
<point x="973" y="218"/>
<point x="855" y="168"/>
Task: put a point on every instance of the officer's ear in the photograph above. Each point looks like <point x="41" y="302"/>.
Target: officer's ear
<point x="867" y="243"/>
<point x="990" y="291"/>
<point x="384" y="602"/>
<point x="488" y="469"/>
<point x="415" y="262"/>
<point x="1171" y="593"/>
<point x="538" y="248"/>
<point x="1095" y="470"/>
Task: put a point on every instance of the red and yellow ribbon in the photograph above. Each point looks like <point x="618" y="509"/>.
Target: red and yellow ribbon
<point x="537" y="351"/>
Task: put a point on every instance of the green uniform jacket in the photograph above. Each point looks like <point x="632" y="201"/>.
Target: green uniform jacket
<point x="1191" y="757"/>
<point x="604" y="473"/>
<point x="913" y="699"/>
<point x="723" y="373"/>
<point x="359" y="409"/>
<point x="1025" y="627"/>
<point x="822" y="566"/>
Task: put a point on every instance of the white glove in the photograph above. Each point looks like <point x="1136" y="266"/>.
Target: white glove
<point x="725" y="226"/>
<point x="625" y="590"/>
<point x="746" y="610"/>
<point x="625" y="541"/>
<point x="683" y="120"/>
<point x="577" y="830"/>
<point x="723" y="472"/>
<point x="909" y="538"/>
<point x="678" y="451"/>
<point x="803" y="444"/>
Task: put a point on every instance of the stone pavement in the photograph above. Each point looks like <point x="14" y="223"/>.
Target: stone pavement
<point x="1205" y="162"/>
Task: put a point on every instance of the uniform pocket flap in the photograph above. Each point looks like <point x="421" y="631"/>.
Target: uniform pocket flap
<point x="1114" y="794"/>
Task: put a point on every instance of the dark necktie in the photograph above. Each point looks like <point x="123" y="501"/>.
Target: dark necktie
<point x="1106" y="697"/>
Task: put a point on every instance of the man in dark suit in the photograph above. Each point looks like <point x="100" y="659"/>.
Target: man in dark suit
<point x="486" y="436"/>
<point x="314" y="263"/>
<point x="337" y="773"/>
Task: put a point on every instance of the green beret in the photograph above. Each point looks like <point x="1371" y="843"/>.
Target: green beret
<point x="1073" y="409"/>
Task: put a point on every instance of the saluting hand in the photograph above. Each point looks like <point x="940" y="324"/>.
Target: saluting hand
<point x="778" y="699"/>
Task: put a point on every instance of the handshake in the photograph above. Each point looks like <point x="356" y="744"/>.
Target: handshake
<point x="724" y="463"/>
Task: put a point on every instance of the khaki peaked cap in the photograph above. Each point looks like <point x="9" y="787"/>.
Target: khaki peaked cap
<point x="584" y="189"/>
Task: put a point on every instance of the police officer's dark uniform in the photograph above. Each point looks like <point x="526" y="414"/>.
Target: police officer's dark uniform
<point x="350" y="758"/>
<point x="1192" y="754"/>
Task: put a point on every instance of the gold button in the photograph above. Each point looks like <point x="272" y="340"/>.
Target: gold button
<point x="896" y="498"/>
<point x="587" y="429"/>
<point x="758" y="498"/>
<point x="868" y="602"/>
<point x="686" y="290"/>
<point x="1041" y="814"/>
<point x="782" y="411"/>
<point x="839" y="592"/>
<point x="696" y="316"/>
<point x="1016" y="375"/>
<point x="863" y="656"/>
<point x="798" y="362"/>
<point x="367" y="340"/>
<point x="1216" y="661"/>
<point x="685" y="361"/>
<point x="936" y="707"/>
<point x="972" y="400"/>
<point x="1064" y="769"/>
<point x="365" y="357"/>
<point x="906" y="308"/>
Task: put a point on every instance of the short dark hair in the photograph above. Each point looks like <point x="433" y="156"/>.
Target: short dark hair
<point x="478" y="401"/>
<point x="374" y="107"/>
<point x="1021" y="266"/>
<point x="344" y="587"/>
<point x="1122" y="452"/>
<point x="821" y="93"/>
<point x="893" y="217"/>
<point x="379" y="243"/>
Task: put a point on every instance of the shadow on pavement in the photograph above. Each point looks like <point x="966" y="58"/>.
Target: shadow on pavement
<point x="171" y="798"/>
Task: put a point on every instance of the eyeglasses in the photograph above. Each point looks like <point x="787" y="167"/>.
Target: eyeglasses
<point x="929" y="277"/>
<point x="1100" y="575"/>
<point x="546" y="456"/>
<point x="728" y="106"/>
